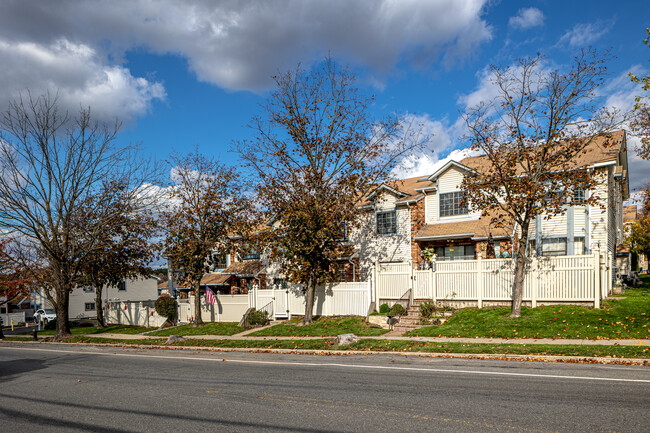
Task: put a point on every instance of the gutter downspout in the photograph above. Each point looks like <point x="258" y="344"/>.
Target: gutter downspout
<point x="354" y="267"/>
<point x="512" y="238"/>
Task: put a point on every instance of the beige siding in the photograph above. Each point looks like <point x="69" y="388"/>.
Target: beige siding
<point x="136" y="290"/>
<point x="555" y="226"/>
<point x="386" y="200"/>
<point x="381" y="248"/>
<point x="579" y="221"/>
<point x="450" y="180"/>
<point x="431" y="207"/>
<point x="598" y="216"/>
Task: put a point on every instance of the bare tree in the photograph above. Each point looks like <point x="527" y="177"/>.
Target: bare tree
<point x="532" y="135"/>
<point x="317" y="152"/>
<point x="51" y="163"/>
<point x="207" y="207"/>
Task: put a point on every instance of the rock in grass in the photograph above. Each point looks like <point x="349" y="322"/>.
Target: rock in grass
<point x="175" y="339"/>
<point x="345" y="339"/>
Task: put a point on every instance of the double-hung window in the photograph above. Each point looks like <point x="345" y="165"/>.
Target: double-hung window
<point x="453" y="203"/>
<point x="387" y="222"/>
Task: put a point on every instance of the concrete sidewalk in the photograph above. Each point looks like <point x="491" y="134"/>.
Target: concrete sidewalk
<point x="525" y="341"/>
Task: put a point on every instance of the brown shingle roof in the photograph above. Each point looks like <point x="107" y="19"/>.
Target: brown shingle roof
<point x="629" y="213"/>
<point x="215" y="279"/>
<point x="480" y="228"/>
<point x="248" y="267"/>
<point x="601" y="149"/>
<point x="406" y="186"/>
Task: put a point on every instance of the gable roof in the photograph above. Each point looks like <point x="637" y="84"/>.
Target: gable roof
<point x="602" y="149"/>
<point x="446" y="167"/>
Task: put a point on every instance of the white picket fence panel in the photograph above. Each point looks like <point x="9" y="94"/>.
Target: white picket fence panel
<point x="16" y="317"/>
<point x="583" y="278"/>
<point x="393" y="279"/>
<point x="134" y="313"/>
<point x="330" y="300"/>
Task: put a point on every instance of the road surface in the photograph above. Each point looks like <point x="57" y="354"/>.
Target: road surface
<point x="45" y="387"/>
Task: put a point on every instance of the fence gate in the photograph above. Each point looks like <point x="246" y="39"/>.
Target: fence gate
<point x="281" y="303"/>
<point x="394" y="280"/>
<point x="423" y="284"/>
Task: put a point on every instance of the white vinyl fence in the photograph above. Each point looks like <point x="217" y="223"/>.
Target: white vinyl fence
<point x="16" y="317"/>
<point x="337" y="299"/>
<point x="137" y="313"/>
<point x="584" y="278"/>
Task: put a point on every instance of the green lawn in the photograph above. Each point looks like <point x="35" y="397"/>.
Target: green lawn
<point x="618" y="318"/>
<point x="322" y="327"/>
<point x="110" y="329"/>
<point x="221" y="328"/>
<point x="392" y="346"/>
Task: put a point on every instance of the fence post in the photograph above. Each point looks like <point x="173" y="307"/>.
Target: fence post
<point x="597" y="282"/>
<point x="375" y="273"/>
<point x="411" y="282"/>
<point x="434" y="280"/>
<point x="534" y="288"/>
<point x="479" y="279"/>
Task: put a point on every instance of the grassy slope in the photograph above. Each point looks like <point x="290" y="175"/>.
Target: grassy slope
<point x="392" y="346"/>
<point x="110" y="329"/>
<point x="222" y="328"/>
<point x="322" y="327"/>
<point x="618" y="318"/>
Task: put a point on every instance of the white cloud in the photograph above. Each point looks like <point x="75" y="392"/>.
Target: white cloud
<point x="82" y="78"/>
<point x="438" y="150"/>
<point x="423" y="165"/>
<point x="239" y="45"/>
<point x="581" y="35"/>
<point x="527" y="18"/>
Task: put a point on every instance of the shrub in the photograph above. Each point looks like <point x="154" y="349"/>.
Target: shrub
<point x="166" y="307"/>
<point x="427" y="309"/>
<point x="384" y="309"/>
<point x="397" y="310"/>
<point x="50" y="325"/>
<point x="258" y="317"/>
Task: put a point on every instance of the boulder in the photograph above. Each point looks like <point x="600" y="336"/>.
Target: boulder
<point x="345" y="339"/>
<point x="175" y="339"/>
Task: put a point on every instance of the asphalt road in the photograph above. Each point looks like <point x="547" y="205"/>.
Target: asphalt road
<point x="69" y="388"/>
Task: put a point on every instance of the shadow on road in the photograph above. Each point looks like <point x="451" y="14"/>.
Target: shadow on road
<point x="19" y="366"/>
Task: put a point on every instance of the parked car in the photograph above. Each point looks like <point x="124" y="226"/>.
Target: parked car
<point x="46" y="315"/>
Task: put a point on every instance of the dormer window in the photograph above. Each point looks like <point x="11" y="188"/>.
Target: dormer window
<point x="387" y="222"/>
<point x="453" y="203"/>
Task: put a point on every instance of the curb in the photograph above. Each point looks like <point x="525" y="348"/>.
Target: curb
<point x="477" y="356"/>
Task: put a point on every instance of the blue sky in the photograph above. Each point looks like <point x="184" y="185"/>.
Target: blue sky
<point x="186" y="73"/>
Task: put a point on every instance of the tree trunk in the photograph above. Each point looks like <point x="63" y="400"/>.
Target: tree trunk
<point x="98" y="306"/>
<point x="309" y="303"/>
<point x="520" y="273"/>
<point x="62" y="308"/>
<point x="198" y="320"/>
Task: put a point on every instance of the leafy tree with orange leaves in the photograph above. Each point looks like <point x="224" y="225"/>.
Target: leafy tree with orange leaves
<point x="639" y="236"/>
<point x="207" y="207"/>
<point x="530" y="135"/>
<point x="316" y="153"/>
<point x="12" y="277"/>
<point x="124" y="249"/>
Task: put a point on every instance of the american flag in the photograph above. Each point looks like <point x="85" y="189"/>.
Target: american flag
<point x="209" y="296"/>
